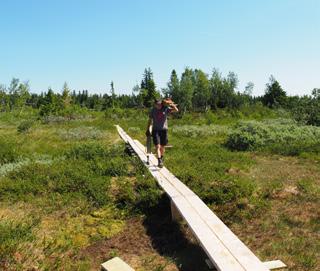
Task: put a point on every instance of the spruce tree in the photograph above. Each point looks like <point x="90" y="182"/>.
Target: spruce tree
<point x="148" y="86"/>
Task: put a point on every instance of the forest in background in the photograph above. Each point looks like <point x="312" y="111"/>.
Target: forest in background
<point x="193" y="91"/>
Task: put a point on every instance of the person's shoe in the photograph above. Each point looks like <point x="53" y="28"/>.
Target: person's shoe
<point x="160" y="163"/>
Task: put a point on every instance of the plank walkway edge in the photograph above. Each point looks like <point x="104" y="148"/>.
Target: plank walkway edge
<point x="224" y="249"/>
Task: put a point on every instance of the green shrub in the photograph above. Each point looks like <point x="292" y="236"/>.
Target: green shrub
<point x="139" y="195"/>
<point x="279" y="136"/>
<point x="222" y="192"/>
<point x="309" y="189"/>
<point x="24" y="126"/>
<point x="81" y="133"/>
<point x="199" y="130"/>
<point x="148" y="193"/>
<point x="126" y="196"/>
<point x="87" y="151"/>
<point x="62" y="177"/>
<point x="8" y="150"/>
<point x="120" y="113"/>
<point x="13" y="234"/>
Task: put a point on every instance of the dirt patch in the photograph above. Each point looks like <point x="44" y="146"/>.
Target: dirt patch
<point x="290" y="190"/>
<point x="151" y="243"/>
<point x="286" y="169"/>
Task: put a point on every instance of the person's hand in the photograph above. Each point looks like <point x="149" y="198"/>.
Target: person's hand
<point x="148" y="132"/>
<point x="168" y="102"/>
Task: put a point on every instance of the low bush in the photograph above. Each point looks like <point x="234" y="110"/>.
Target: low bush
<point x="279" y="136"/>
<point x="24" y="126"/>
<point x="62" y="177"/>
<point x="199" y="130"/>
<point x="87" y="151"/>
<point x="8" y="150"/>
<point x="81" y="133"/>
<point x="119" y="113"/>
<point x="13" y="234"/>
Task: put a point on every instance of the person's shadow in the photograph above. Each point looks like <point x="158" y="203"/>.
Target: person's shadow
<point x="173" y="240"/>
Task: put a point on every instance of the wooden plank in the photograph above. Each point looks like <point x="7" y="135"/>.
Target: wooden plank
<point x="173" y="179"/>
<point x="116" y="264"/>
<point x="218" y="254"/>
<point x="271" y="265"/>
<point x="236" y="247"/>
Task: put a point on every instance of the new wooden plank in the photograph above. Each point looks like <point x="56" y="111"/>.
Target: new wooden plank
<point x="236" y="247"/>
<point x="154" y="170"/>
<point x="116" y="264"/>
<point x="274" y="264"/>
<point x="218" y="254"/>
<point x="174" y="180"/>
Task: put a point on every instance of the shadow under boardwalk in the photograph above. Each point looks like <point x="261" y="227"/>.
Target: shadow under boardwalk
<point x="174" y="240"/>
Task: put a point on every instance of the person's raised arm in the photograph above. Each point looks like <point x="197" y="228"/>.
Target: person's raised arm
<point x="174" y="108"/>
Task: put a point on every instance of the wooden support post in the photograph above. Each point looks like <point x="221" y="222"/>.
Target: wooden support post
<point x="175" y="215"/>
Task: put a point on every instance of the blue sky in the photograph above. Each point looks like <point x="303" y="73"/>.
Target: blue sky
<point x="89" y="43"/>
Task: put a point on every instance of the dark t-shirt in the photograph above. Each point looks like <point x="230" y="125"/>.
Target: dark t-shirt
<point x="159" y="118"/>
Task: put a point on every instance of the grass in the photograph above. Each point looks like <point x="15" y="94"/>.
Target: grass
<point x="70" y="196"/>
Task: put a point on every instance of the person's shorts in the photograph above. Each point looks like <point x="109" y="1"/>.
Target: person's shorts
<point x="160" y="137"/>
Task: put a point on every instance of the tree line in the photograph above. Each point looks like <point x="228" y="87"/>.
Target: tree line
<point x="193" y="90"/>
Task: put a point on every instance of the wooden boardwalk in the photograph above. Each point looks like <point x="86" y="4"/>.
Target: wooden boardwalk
<point x="224" y="249"/>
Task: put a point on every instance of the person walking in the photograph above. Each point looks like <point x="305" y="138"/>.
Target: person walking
<point x="158" y="118"/>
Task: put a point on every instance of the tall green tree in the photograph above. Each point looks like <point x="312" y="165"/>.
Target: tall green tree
<point x="216" y="87"/>
<point x="274" y="94"/>
<point x="51" y="104"/>
<point x="139" y="95"/>
<point x="201" y="94"/>
<point x="173" y="87"/>
<point x="19" y="93"/>
<point x="223" y="90"/>
<point x="4" y="103"/>
<point x="249" y="89"/>
<point x="113" y="95"/>
<point x="13" y="93"/>
<point x="186" y="90"/>
<point x="148" y="85"/>
<point x="66" y="98"/>
<point x="23" y="96"/>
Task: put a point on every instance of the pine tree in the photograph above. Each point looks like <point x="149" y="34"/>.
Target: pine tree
<point x="148" y="85"/>
<point x="66" y="98"/>
<point x="113" y="95"/>
<point x="173" y="90"/>
<point x="274" y="94"/>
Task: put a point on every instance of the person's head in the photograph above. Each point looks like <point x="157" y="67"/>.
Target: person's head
<point x="158" y="104"/>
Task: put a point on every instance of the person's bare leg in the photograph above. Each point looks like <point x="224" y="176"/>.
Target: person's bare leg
<point x="158" y="151"/>
<point x="160" y="163"/>
<point x="162" y="149"/>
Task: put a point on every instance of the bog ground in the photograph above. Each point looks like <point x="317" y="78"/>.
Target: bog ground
<point x="71" y="197"/>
